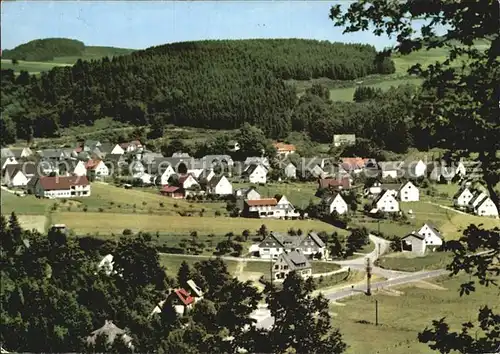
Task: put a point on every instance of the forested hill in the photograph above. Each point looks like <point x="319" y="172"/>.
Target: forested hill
<point x="212" y="84"/>
<point x="49" y="49"/>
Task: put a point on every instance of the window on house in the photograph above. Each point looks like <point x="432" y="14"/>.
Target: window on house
<point x="285" y="267"/>
<point x="276" y="267"/>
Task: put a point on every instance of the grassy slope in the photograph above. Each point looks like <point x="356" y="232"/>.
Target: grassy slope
<point x="407" y="262"/>
<point x="403" y="317"/>
<point x="90" y="53"/>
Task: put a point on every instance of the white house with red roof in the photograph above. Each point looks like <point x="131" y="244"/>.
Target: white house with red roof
<point x="173" y="192"/>
<point x="62" y="187"/>
<point x="283" y="149"/>
<point x="262" y="208"/>
<point x="97" y="167"/>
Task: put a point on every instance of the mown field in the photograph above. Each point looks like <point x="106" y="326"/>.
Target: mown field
<point x="403" y="316"/>
<point x="408" y="262"/>
<point x="108" y="223"/>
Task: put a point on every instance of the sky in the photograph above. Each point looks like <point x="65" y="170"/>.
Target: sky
<point x="141" y="24"/>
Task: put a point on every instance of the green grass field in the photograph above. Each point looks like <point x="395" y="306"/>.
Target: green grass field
<point x="407" y="262"/>
<point x="108" y="223"/>
<point x="32" y="67"/>
<point x="402" y="317"/>
<point x="27" y="205"/>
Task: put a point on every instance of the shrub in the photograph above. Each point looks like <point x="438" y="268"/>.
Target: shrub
<point x="161" y="204"/>
<point x="239" y="238"/>
<point x="64" y="200"/>
<point x="127" y="232"/>
<point x="85" y="209"/>
<point x="111" y="203"/>
<point x="101" y="210"/>
<point x="217" y="213"/>
<point x="176" y="205"/>
<point x="144" y="203"/>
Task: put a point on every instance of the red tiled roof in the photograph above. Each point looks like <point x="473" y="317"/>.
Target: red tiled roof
<point x="353" y="162"/>
<point x="284" y="147"/>
<point x="92" y="164"/>
<point x="61" y="183"/>
<point x="335" y="182"/>
<point x="184" y="296"/>
<point x="169" y="189"/>
<point x="262" y="202"/>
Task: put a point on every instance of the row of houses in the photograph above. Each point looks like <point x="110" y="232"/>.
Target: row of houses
<point x="276" y="244"/>
<point x="475" y="201"/>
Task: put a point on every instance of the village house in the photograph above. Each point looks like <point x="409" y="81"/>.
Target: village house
<point x="260" y="208"/>
<point x="336" y="203"/>
<point x="414" y="242"/>
<point x="182" y="300"/>
<point x="188" y="182"/>
<point x="283" y="149"/>
<point x="386" y="202"/>
<point x="111" y="333"/>
<point x="376" y="187"/>
<point x="291" y="261"/>
<point x="414" y="169"/>
<point x="21" y="153"/>
<point x="486" y="207"/>
<point x="290" y="171"/>
<point x="335" y="184"/>
<point x="173" y="192"/>
<point x="6" y="152"/>
<point x="255" y="174"/>
<point x="285" y="210"/>
<point x="97" y="168"/>
<point x="391" y="169"/>
<point x="167" y="173"/>
<point x="408" y="192"/>
<point x="462" y="198"/>
<point x="8" y="161"/>
<point x="255" y="160"/>
<point x="219" y="186"/>
<point x="478" y="197"/>
<point x="72" y="167"/>
<point x="275" y="244"/>
<point x="61" y="187"/>
<point x="432" y="236"/>
<point x="131" y="146"/>
<point x="441" y="173"/>
<point x="53" y="154"/>
<point x="344" y="139"/>
<point x="353" y="164"/>
<point x="233" y="146"/>
<point x="19" y="175"/>
<point x="428" y="237"/>
<point x="249" y="193"/>
<point x="147" y="157"/>
<point x="225" y="162"/>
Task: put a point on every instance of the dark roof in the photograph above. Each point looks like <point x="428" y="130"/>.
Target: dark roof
<point x="251" y="168"/>
<point x="51" y="153"/>
<point x="214" y="181"/>
<point x="296" y="260"/>
<point x="317" y="239"/>
<point x="330" y="198"/>
<point x="106" y="147"/>
<point x="414" y="234"/>
<point x="25" y="168"/>
<point x="281" y="239"/>
<point x="111" y="331"/>
<point x="391" y="186"/>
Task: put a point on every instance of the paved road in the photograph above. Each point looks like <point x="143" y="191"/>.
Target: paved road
<point x="381" y="247"/>
<point x="265" y="320"/>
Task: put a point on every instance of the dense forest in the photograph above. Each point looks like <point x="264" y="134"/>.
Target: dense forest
<point x="211" y="84"/>
<point x="45" y="49"/>
<point x="53" y="296"/>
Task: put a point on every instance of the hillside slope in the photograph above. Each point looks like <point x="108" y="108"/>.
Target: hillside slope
<point x="208" y="84"/>
<point x="44" y="54"/>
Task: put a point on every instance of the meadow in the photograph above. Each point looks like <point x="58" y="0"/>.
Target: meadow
<point x="33" y="67"/>
<point x="115" y="223"/>
<point x="403" y="314"/>
<point x="408" y="262"/>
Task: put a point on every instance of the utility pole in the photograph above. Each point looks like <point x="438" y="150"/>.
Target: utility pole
<point x="376" y="312"/>
<point x="271" y="270"/>
<point x="368" y="276"/>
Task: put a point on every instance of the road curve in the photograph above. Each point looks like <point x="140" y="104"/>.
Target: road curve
<point x="265" y="320"/>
